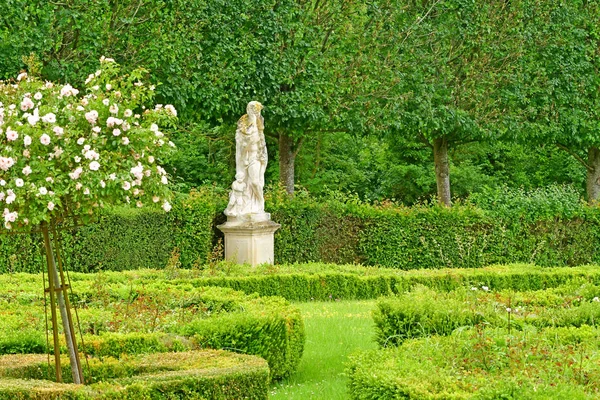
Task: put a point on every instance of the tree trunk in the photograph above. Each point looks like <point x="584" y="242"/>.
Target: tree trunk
<point x="57" y="285"/>
<point x="287" y="157"/>
<point x="442" y="170"/>
<point x="593" y="175"/>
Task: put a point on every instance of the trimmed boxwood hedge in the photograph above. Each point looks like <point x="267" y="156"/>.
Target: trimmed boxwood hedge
<point x="306" y="282"/>
<point x="205" y="374"/>
<point x="425" y="312"/>
<point x="122" y="316"/>
<point x="484" y="364"/>
<point x="337" y="230"/>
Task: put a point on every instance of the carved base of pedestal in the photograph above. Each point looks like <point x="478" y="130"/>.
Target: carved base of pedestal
<point x="250" y="240"/>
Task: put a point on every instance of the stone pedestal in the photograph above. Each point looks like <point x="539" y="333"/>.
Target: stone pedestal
<point x="249" y="239"/>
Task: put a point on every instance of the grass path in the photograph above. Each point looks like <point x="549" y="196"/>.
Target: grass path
<point x="333" y="331"/>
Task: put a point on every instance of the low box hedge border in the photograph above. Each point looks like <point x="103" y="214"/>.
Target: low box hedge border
<point x="424" y="312"/>
<point x="322" y="282"/>
<point x="188" y="375"/>
<point x="216" y="318"/>
<point x="485" y="364"/>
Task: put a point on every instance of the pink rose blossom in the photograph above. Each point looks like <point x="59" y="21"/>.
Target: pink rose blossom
<point x="45" y="139"/>
<point x="49" y="118"/>
<point x="27" y="104"/>
<point x="50" y="206"/>
<point x="11" y="134"/>
<point x="91" y="116"/>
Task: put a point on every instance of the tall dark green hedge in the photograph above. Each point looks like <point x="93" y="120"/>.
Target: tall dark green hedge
<point x="126" y="238"/>
<point x="338" y="230"/>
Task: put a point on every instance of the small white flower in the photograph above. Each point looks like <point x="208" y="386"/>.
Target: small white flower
<point x="80" y="141"/>
<point x="116" y="132"/>
<point x="96" y="129"/>
<point x="155" y="199"/>
<point x="45" y="139"/>
<point x="139" y="204"/>
<point x="102" y="184"/>
<point x="94" y="165"/>
<point x="21" y="76"/>
<point x="27" y="104"/>
<point x="166" y="206"/>
<point x="171" y="110"/>
<point x="164" y="180"/>
<point x="126" y="185"/>
<point x="27" y="170"/>
<point x="128" y="113"/>
<point x="11" y="135"/>
<point x="77" y="159"/>
<point x="50" y="179"/>
<point x="114" y="109"/>
<point x="154" y="128"/>
<point x="49" y="118"/>
<point x="596" y="299"/>
<point x="58" y="130"/>
<point x="112" y="177"/>
<point x="91" y="116"/>
<point x="37" y="96"/>
<point x="485" y="288"/>
<point x="86" y="191"/>
<point x="43" y="190"/>
<point x="508" y="309"/>
<point x="106" y="102"/>
<point x="27" y="140"/>
<point x="79" y="108"/>
<point x="50" y="206"/>
<point x="108" y="86"/>
<point x="473" y="288"/>
<point x="150" y="159"/>
<point x="19" y="182"/>
<point x="125" y="140"/>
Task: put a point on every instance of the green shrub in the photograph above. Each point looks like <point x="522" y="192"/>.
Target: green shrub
<point x="482" y="364"/>
<point x="126" y="238"/>
<point x="188" y="375"/>
<point x="337" y="229"/>
<point x="123" y="316"/>
<point x="425" y="312"/>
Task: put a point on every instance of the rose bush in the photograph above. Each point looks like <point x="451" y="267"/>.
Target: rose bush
<point x="65" y="153"/>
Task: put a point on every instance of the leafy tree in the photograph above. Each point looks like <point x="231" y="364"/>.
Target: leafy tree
<point x="214" y="57"/>
<point x="558" y="95"/>
<point x="453" y="60"/>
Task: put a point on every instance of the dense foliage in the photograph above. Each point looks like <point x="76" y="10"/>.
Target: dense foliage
<point x="549" y="227"/>
<point x="122" y="315"/>
<point x="483" y="342"/>
<point x="356" y="94"/>
<point x="66" y="154"/>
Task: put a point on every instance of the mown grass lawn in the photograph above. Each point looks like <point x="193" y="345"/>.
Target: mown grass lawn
<point x="334" y="330"/>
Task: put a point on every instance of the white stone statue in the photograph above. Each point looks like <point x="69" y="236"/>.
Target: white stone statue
<point x="246" y="199"/>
